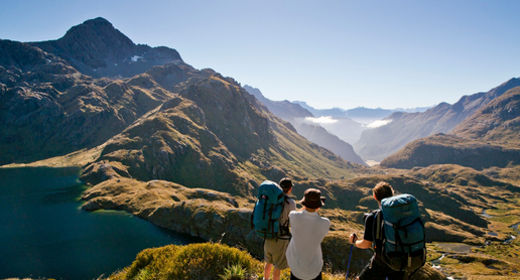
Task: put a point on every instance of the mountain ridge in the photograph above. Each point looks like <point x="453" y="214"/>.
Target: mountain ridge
<point x="378" y="143"/>
<point x="489" y="137"/>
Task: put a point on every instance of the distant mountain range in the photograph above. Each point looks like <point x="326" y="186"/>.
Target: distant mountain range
<point x="489" y="137"/>
<point x="360" y="114"/>
<point x="349" y="124"/>
<point x="402" y="128"/>
<point x="298" y="117"/>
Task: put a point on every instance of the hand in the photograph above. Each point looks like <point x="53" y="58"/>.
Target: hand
<point x="352" y="238"/>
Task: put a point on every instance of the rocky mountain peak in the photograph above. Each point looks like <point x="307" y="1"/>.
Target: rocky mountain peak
<point x="97" y="36"/>
<point x="96" y="48"/>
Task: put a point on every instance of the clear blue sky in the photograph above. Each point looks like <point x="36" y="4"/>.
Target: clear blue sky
<point x="329" y="53"/>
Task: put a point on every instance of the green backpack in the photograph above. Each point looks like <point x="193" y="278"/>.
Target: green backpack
<point x="265" y="219"/>
<point x="401" y="230"/>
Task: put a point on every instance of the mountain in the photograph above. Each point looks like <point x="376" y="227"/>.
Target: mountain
<point x="490" y="137"/>
<point x="299" y="118"/>
<point x="48" y="108"/>
<point x="498" y="121"/>
<point x="97" y="49"/>
<point x="183" y="148"/>
<point x="403" y="128"/>
<point x="171" y="122"/>
<point x="332" y="112"/>
<point x="450" y="149"/>
<point x="285" y="110"/>
<point x="213" y="134"/>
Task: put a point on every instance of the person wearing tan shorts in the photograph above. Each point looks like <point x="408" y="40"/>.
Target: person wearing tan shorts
<point x="274" y="248"/>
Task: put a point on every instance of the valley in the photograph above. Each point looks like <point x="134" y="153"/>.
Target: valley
<point x="186" y="149"/>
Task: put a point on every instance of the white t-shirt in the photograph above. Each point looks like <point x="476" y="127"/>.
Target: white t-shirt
<point x="304" y="251"/>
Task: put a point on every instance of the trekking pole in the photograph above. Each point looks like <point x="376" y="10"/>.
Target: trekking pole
<point x="349" y="258"/>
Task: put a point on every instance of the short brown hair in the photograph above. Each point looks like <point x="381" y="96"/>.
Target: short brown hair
<point x="286" y="184"/>
<point x="383" y="190"/>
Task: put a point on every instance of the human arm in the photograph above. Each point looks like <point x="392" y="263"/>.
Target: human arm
<point x="361" y="244"/>
<point x="368" y="238"/>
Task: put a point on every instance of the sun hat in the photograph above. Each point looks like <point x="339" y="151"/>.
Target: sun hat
<point x="312" y="198"/>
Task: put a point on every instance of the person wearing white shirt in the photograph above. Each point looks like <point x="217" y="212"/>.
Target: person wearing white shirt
<point x="304" y="255"/>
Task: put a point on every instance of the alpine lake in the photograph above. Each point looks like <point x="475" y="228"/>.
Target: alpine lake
<point x="44" y="232"/>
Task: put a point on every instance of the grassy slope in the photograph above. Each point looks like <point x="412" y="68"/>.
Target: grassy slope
<point x="499" y="121"/>
<point x="451" y="149"/>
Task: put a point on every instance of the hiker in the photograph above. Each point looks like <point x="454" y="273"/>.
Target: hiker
<point x="274" y="248"/>
<point x="308" y="229"/>
<point x="399" y="265"/>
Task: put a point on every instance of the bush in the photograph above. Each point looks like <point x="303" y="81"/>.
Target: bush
<point x="206" y="261"/>
<point x="194" y="261"/>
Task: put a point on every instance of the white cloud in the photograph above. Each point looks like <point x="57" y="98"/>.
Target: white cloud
<point x="135" y="58"/>
<point x="378" y="123"/>
<point x="322" y="120"/>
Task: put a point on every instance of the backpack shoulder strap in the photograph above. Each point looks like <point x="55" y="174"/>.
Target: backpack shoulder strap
<point x="379" y="225"/>
<point x="377" y="228"/>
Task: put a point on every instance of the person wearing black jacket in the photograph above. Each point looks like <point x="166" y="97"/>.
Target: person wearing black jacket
<point x="376" y="268"/>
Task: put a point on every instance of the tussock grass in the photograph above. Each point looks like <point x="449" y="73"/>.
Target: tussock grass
<point x="197" y="261"/>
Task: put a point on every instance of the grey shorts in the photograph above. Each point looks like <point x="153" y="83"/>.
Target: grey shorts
<point x="274" y="252"/>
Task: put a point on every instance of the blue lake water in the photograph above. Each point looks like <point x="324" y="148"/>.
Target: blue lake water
<point x="44" y="233"/>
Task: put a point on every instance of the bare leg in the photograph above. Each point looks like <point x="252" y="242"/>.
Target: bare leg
<point x="276" y="274"/>
<point x="267" y="270"/>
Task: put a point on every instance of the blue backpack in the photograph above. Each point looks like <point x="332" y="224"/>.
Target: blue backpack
<point x="401" y="230"/>
<point x="268" y="209"/>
